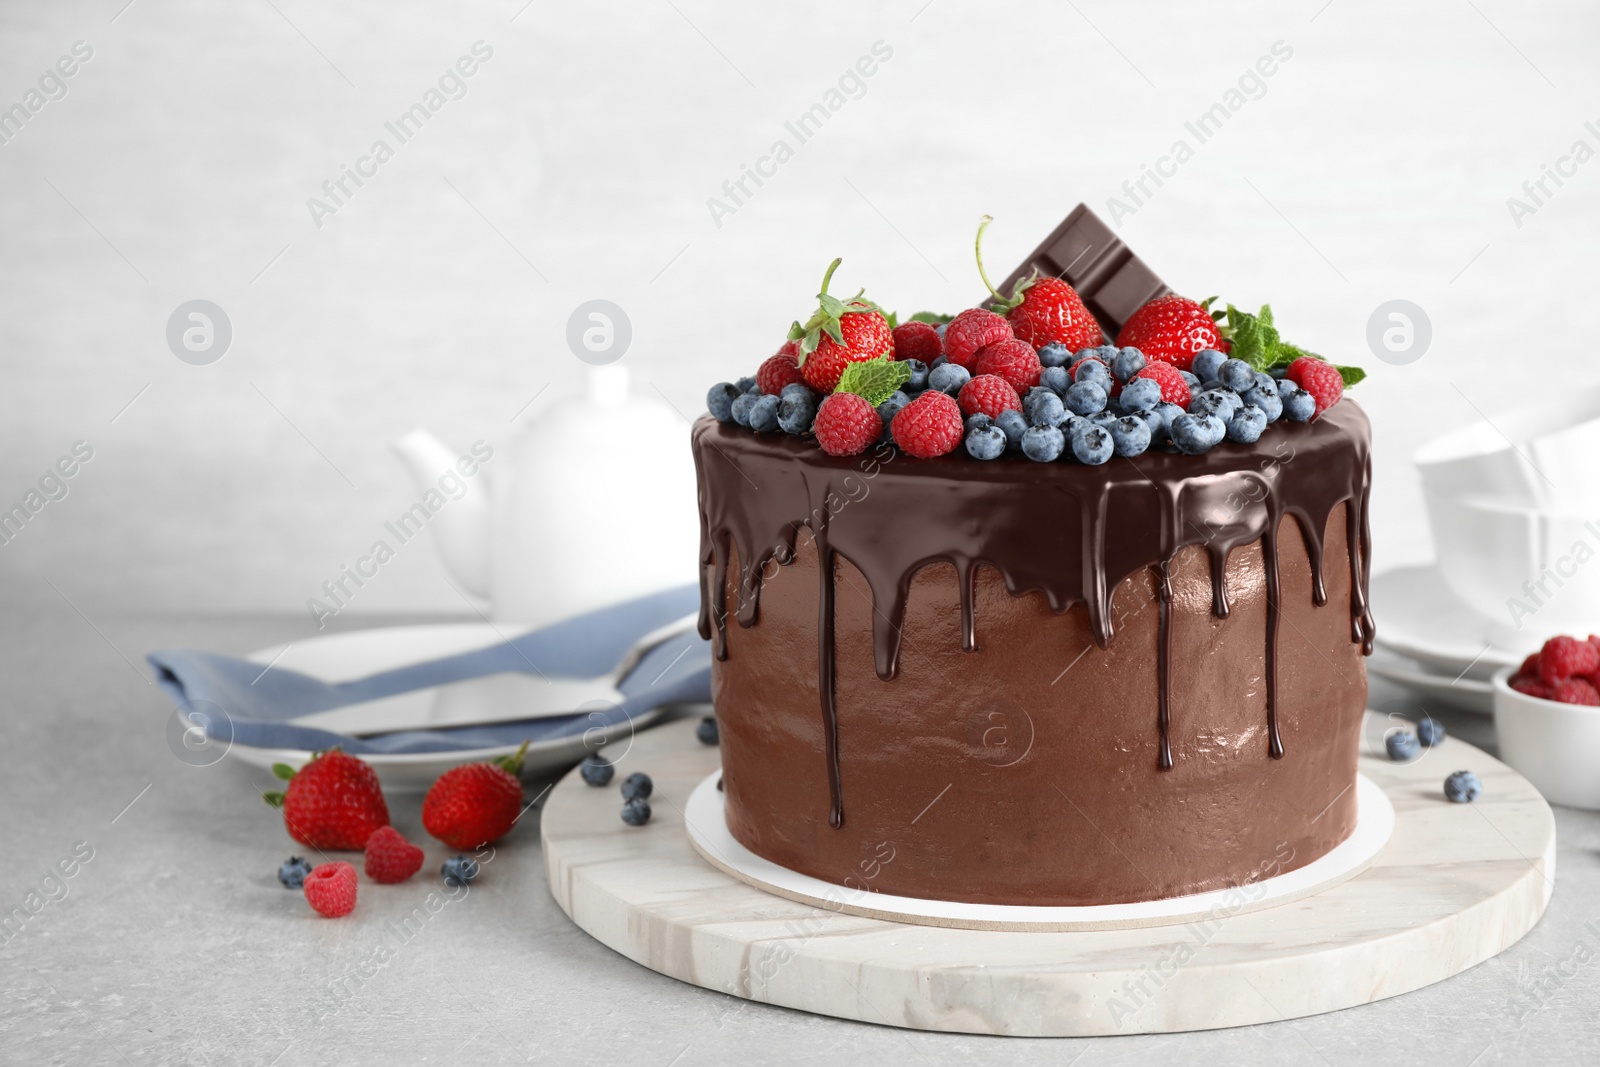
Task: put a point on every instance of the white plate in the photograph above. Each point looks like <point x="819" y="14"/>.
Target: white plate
<point x="708" y="831"/>
<point x="1463" y="693"/>
<point x="347" y="656"/>
<point x="1419" y="617"/>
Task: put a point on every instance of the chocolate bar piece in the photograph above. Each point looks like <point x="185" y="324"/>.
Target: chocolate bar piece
<point x="1084" y="253"/>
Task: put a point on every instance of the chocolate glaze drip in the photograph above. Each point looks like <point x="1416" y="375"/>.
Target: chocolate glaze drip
<point x="1068" y="531"/>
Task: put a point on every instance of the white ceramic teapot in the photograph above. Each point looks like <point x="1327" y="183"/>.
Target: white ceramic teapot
<point x="592" y="502"/>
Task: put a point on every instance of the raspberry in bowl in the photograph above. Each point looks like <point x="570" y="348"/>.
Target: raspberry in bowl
<point x="1547" y="719"/>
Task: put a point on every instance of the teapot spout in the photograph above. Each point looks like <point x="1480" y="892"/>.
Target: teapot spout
<point x="453" y="504"/>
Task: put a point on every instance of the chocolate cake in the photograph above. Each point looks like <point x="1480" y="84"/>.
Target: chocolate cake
<point x="1041" y="620"/>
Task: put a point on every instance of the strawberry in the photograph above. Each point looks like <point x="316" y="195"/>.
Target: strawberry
<point x="971" y="330"/>
<point x="929" y="426"/>
<point x="780" y="369"/>
<point x="331" y="889"/>
<point x="1173" y="328"/>
<point x="1043" y="311"/>
<point x="333" y="802"/>
<point x="917" y="340"/>
<point x="1015" y="361"/>
<point x="476" y="803"/>
<point x="838" y="333"/>
<point x="390" y="857"/>
<point x="846" y="424"/>
<point x="1319" y="378"/>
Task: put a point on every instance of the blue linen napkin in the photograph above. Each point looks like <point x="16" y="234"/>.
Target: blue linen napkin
<point x="258" y="706"/>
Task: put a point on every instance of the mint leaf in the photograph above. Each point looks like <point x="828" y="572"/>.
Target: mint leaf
<point x="932" y="318"/>
<point x="1351" y="375"/>
<point x="874" y="379"/>
<point x="1257" y="342"/>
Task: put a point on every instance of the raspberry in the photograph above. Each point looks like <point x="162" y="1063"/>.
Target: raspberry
<point x="846" y="424"/>
<point x="988" y="394"/>
<point x="1174" y="390"/>
<point x="1530" y="667"/>
<point x="1576" y="691"/>
<point x="331" y="889"/>
<point x="1319" y="378"/>
<point x="1562" y="657"/>
<point x="970" y="331"/>
<point x="390" y="857"/>
<point x="779" y="370"/>
<point x="917" y="340"/>
<point x="929" y="426"/>
<point x="1529" y="685"/>
<point x="1015" y="361"/>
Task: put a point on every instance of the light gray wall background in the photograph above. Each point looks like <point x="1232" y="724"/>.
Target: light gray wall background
<point x="1375" y="165"/>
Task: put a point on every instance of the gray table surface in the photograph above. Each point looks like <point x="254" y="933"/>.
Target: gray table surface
<point x="175" y="944"/>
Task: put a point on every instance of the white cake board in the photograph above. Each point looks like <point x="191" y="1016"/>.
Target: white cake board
<point x="708" y="833"/>
<point x="1456" y="884"/>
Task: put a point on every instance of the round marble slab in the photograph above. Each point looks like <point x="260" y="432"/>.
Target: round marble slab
<point x="1456" y="884"/>
<point x="704" y="819"/>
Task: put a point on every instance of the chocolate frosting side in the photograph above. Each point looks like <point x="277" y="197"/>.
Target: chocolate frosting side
<point x="1068" y="531"/>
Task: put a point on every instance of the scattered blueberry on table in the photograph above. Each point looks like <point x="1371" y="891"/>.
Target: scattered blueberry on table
<point x="597" y="770"/>
<point x="1430" y="732"/>
<point x="636" y="812"/>
<point x="1462" y="787"/>
<point x="706" y="731"/>
<point x="1402" y="746"/>
<point x="459" y="870"/>
<point x="637" y="786"/>
<point x="292" y="872"/>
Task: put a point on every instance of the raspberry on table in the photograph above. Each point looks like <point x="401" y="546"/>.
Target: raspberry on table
<point x="330" y="888"/>
<point x="988" y="394"/>
<point x="390" y="858"/>
<point x="929" y="426"/>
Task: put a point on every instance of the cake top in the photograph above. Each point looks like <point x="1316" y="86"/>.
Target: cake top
<point x="1031" y="377"/>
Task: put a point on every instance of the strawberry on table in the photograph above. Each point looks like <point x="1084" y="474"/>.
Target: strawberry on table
<point x="1173" y="328"/>
<point x="475" y="803"/>
<point x="334" y="802"/>
<point x="1043" y="311"/>
<point x="839" y="333"/>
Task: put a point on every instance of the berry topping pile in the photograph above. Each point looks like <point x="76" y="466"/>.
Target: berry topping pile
<point x="1566" y="669"/>
<point x="1031" y="377"/>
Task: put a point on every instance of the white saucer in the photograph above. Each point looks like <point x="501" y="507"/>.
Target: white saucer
<point x="343" y="657"/>
<point x="1419" y="617"/>
<point x="1464" y="693"/>
<point x="704" y="818"/>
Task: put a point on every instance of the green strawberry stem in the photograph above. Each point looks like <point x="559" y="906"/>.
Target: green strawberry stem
<point x="828" y="276"/>
<point x="830" y="309"/>
<point x="512" y="764"/>
<point x="1002" y="304"/>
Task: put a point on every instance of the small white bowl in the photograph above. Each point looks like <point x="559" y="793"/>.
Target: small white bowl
<point x="1555" y="746"/>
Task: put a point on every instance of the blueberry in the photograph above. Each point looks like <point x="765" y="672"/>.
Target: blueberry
<point x="597" y="770"/>
<point x="292" y="872"/>
<point x="707" y="732"/>
<point x="1246" y="426"/>
<point x="720" y="401"/>
<point x="919" y="375"/>
<point x="1220" y="402"/>
<point x="1126" y="363"/>
<point x="746" y="384"/>
<point x="799" y="389"/>
<point x="1048" y="410"/>
<point x="891" y="407"/>
<point x="1462" y="787"/>
<point x="764" y="414"/>
<point x="1195" y="434"/>
<point x="1130" y="435"/>
<point x="1093" y="446"/>
<point x="1082" y="354"/>
<point x="1104" y="419"/>
<point x="1266" y="399"/>
<point x="986" y="442"/>
<point x="1285" y="387"/>
<point x="1430" y="732"/>
<point x="1093" y="371"/>
<point x="1014" y="425"/>
<point x="1190" y="380"/>
<point x="796" y="412"/>
<point x="948" y="378"/>
<point x="1299" y="405"/>
<point x="1266" y="381"/>
<point x="1236" y="374"/>
<point x="740" y="408"/>
<point x="1043" y="444"/>
<point x="1056" y="379"/>
<point x="1142" y="393"/>
<point x="636" y="812"/>
<point x="1054" y="354"/>
<point x="976" y="421"/>
<point x="459" y="870"/>
<point x="1206" y="362"/>
<point x="1166" y="411"/>
<point x="939" y="329"/>
<point x="1086" y="397"/>
<point x="637" y="786"/>
<point x="1402" y="746"/>
<point x="938" y="361"/>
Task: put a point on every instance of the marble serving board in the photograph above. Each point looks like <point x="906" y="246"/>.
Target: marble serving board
<point x="1456" y="884"/>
